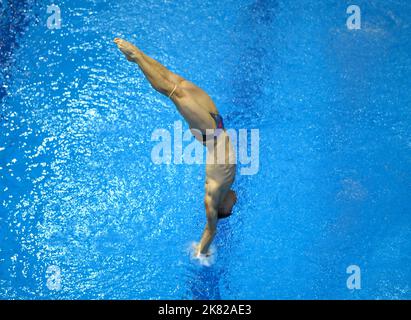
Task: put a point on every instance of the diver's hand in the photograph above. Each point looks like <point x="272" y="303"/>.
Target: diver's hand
<point x="198" y="254"/>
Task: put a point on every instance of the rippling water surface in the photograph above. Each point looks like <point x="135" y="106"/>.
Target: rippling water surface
<point x="79" y="193"/>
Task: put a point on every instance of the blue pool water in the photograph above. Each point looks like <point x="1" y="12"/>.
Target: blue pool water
<point x="82" y="202"/>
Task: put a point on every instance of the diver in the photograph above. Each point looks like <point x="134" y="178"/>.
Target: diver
<point x="206" y="124"/>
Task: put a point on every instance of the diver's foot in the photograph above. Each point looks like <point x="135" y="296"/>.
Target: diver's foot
<point x="129" y="50"/>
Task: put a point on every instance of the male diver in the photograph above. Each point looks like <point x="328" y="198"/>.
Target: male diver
<point x="206" y="124"/>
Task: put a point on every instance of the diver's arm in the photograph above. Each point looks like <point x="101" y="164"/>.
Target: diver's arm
<point x="211" y="204"/>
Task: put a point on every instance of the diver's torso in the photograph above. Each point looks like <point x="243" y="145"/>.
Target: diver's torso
<point x="221" y="160"/>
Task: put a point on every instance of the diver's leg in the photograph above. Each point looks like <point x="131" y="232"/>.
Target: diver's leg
<point x="161" y="79"/>
<point x="192" y="102"/>
<point x="172" y="77"/>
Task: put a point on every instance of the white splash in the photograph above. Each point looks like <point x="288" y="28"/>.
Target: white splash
<point x="205" y="260"/>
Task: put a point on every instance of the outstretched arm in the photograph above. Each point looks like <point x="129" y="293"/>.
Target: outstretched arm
<point x="211" y="202"/>
<point x="161" y="79"/>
